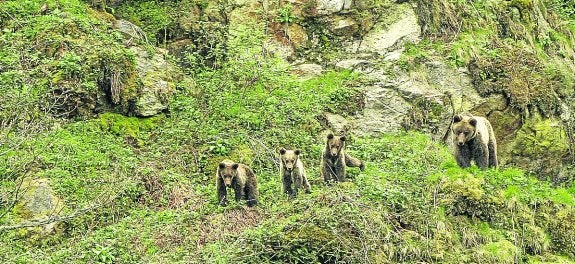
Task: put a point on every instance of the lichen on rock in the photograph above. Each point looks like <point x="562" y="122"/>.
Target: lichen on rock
<point x="38" y="202"/>
<point x="156" y="82"/>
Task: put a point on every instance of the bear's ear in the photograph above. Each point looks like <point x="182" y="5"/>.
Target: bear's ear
<point x="329" y="136"/>
<point x="282" y="151"/>
<point x="297" y="151"/>
<point x="342" y="138"/>
<point x="473" y="121"/>
<point x="222" y="165"/>
<point x="235" y="166"/>
<point x="456" y="118"/>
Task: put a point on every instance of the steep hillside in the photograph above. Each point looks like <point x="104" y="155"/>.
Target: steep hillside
<point x="115" y="114"/>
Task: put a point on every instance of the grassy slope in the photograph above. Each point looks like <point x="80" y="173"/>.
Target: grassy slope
<point x="155" y="179"/>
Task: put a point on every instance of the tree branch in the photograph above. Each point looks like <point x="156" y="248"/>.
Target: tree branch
<point x="50" y="219"/>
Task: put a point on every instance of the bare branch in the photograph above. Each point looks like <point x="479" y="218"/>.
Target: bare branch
<point x="50" y="219"/>
<point x="56" y="218"/>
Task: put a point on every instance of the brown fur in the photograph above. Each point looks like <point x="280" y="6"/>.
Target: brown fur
<point x="473" y="139"/>
<point x="334" y="159"/>
<point x="292" y="171"/>
<point x="238" y="177"/>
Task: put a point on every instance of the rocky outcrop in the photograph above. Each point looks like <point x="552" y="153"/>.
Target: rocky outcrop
<point x="424" y="97"/>
<point x="337" y="124"/>
<point x="156" y="86"/>
<point x="328" y="7"/>
<point x="384" y="38"/>
<point x="131" y="32"/>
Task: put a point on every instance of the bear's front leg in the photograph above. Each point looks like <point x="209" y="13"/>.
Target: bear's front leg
<point x="327" y="173"/>
<point x="239" y="192"/>
<point x="481" y="156"/>
<point x="463" y="156"/>
<point x="251" y="195"/>
<point x="286" y="180"/>
<point x="222" y="194"/>
<point x="354" y="162"/>
<point x="296" y="184"/>
<point x="492" y="154"/>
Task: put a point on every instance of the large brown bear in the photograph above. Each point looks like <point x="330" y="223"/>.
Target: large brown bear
<point x="473" y="139"/>
<point x="292" y="172"/>
<point x="334" y="159"/>
<point x="238" y="177"/>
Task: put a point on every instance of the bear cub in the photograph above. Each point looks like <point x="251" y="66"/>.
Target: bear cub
<point x="334" y="159"/>
<point x="238" y="177"/>
<point x="292" y="171"/>
<point x="474" y="139"/>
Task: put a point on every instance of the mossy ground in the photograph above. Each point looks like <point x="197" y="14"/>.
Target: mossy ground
<point x="153" y="180"/>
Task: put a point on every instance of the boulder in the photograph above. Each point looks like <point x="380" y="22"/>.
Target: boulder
<point x="384" y="109"/>
<point x="336" y="123"/>
<point x="425" y="99"/>
<point x="343" y="26"/>
<point x="156" y="76"/>
<point x="275" y="47"/>
<point x="384" y="38"/>
<point x="37" y="202"/>
<point x="131" y="32"/>
<point x="328" y="7"/>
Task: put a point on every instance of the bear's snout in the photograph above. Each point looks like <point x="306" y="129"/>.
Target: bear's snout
<point x="228" y="182"/>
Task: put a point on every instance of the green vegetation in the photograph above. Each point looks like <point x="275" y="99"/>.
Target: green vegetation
<point x="59" y="61"/>
<point x="505" y="49"/>
<point x="510" y="52"/>
<point x="411" y="204"/>
<point x="142" y="190"/>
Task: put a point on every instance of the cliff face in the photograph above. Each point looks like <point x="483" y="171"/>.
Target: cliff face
<point x="510" y="61"/>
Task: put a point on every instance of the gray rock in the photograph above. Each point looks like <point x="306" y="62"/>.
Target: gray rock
<point x="308" y="70"/>
<point x="386" y="38"/>
<point x="336" y="123"/>
<point x="425" y="99"/>
<point x="274" y="47"/>
<point x="328" y="7"/>
<point x="38" y="202"/>
<point x="131" y="32"/>
<point x="156" y="82"/>
<point x="393" y="55"/>
<point x="352" y="64"/>
<point x="343" y="26"/>
<point x="383" y="112"/>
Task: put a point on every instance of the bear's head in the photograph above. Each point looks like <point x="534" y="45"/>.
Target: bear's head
<point x="463" y="128"/>
<point x="289" y="158"/>
<point x="228" y="171"/>
<point x="335" y="144"/>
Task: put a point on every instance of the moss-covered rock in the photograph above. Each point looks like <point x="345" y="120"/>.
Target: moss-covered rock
<point x="38" y="202"/>
<point x="541" y="146"/>
<point x="156" y="82"/>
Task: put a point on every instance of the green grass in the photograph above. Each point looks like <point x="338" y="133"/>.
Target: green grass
<point x="154" y="178"/>
<point x="411" y="204"/>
